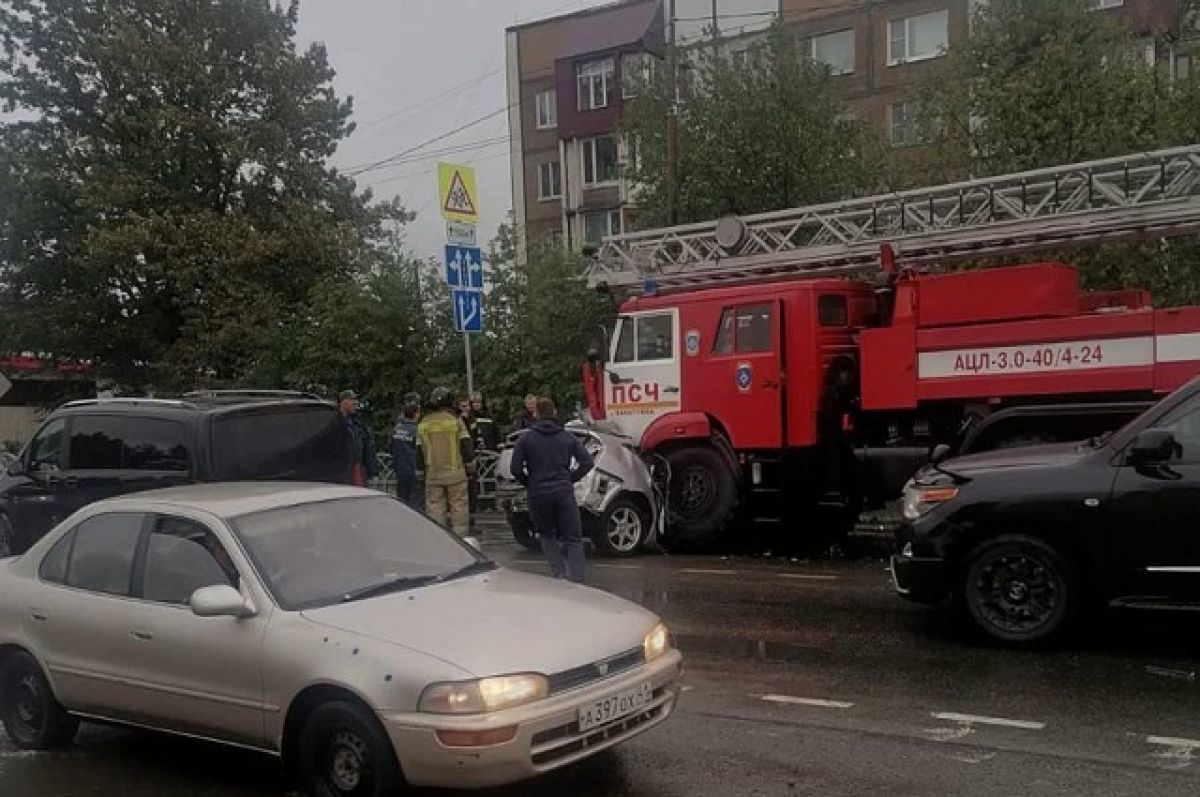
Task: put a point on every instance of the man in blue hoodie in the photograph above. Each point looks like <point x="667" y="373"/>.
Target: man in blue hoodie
<point x="542" y="461"/>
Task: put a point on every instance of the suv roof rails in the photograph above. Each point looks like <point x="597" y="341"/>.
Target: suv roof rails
<point x="226" y="394"/>
<point x="131" y="401"/>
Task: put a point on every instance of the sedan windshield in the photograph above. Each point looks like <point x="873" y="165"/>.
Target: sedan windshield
<point x="323" y="553"/>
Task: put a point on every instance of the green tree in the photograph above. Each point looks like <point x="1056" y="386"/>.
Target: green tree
<point x="1045" y="82"/>
<point x="755" y="134"/>
<point x="168" y="208"/>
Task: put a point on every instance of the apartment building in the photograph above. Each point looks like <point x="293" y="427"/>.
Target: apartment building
<point x="568" y="78"/>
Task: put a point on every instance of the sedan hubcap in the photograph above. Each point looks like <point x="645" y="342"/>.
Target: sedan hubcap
<point x="28" y="706"/>
<point x="346" y="762"/>
<point x="624" y="529"/>
<point x="1017" y="593"/>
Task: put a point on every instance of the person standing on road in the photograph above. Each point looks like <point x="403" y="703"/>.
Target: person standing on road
<point x="487" y="436"/>
<point x="542" y="461"/>
<point x="527" y="417"/>
<point x="404" y="452"/>
<point x="447" y="453"/>
<point x="362" y="448"/>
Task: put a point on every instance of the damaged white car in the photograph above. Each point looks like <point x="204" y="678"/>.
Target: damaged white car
<point x="618" y="499"/>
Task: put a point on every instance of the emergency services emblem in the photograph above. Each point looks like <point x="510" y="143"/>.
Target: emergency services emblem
<point x="744" y="376"/>
<point x="692" y="342"/>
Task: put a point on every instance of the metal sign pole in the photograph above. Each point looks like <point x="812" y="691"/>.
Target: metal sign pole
<point x="470" y="370"/>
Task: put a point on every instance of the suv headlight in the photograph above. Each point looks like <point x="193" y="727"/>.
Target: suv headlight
<point x="484" y="695"/>
<point x="920" y="500"/>
<point x="658" y="642"/>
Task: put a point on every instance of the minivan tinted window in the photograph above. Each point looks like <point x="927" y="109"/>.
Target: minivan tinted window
<point x="95" y="442"/>
<point x="292" y="443"/>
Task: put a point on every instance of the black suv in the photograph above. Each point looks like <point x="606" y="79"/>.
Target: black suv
<point x="97" y="448"/>
<point x="1027" y="537"/>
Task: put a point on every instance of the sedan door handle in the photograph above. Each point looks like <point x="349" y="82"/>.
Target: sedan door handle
<point x="38" y="614"/>
<point x="142" y="636"/>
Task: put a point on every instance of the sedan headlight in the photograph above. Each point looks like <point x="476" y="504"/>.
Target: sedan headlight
<point x="658" y="642"/>
<point x="484" y="695"/>
<point x="920" y="500"/>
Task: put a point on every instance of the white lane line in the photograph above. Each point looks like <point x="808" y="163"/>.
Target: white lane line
<point x="975" y="719"/>
<point x="707" y="571"/>
<point x="806" y="701"/>
<point x="807" y="577"/>
<point x="1173" y="741"/>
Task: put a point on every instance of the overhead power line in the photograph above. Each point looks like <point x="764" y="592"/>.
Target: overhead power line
<point x="354" y="171"/>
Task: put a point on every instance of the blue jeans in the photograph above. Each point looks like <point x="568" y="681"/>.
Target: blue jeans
<point x="558" y="525"/>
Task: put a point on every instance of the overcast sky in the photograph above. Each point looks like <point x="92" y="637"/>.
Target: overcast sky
<point x="417" y="69"/>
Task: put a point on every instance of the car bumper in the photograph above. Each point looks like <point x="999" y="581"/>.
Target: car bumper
<point x="920" y="579"/>
<point x="547" y="732"/>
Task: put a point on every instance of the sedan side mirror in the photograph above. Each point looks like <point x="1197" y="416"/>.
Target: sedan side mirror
<point x="220" y="600"/>
<point x="1153" y="447"/>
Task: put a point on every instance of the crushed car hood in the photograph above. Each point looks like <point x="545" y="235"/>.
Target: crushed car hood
<point x="498" y="622"/>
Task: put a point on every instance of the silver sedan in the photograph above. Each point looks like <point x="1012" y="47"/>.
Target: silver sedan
<point x="328" y="625"/>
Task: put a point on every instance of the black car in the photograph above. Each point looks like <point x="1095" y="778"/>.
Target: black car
<point x="1026" y="538"/>
<point x="97" y="448"/>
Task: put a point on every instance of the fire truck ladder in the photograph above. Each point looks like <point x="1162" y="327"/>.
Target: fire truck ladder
<point x="1148" y="195"/>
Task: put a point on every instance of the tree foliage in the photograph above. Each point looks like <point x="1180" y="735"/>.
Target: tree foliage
<point x="167" y="201"/>
<point x="1045" y="82"/>
<point x="757" y="133"/>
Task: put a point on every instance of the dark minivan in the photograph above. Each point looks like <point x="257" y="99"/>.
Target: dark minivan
<point x="98" y="448"/>
<point x="1026" y="538"/>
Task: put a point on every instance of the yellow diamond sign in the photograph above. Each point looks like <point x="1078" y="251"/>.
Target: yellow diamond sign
<point x="456" y="190"/>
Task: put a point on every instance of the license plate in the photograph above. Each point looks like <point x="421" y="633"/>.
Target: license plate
<point x="614" y="707"/>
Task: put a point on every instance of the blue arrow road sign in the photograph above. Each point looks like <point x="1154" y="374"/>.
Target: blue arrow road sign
<point x="468" y="310"/>
<point x="464" y="267"/>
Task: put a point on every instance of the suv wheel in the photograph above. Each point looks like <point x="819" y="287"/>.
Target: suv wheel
<point x="622" y="529"/>
<point x="32" y="715"/>
<point x="1018" y="590"/>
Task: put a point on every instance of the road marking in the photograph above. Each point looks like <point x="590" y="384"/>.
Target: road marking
<point x="686" y="688"/>
<point x="706" y="571"/>
<point x="807" y="577"/>
<point x="975" y="719"/>
<point x="806" y="701"/>
<point x="1173" y="741"/>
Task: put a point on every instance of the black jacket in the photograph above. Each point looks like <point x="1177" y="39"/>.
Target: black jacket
<point x="542" y="457"/>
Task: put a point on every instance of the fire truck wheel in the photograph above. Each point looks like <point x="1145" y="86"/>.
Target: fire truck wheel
<point x="701" y="497"/>
<point x="522" y="531"/>
<point x="1018" y="589"/>
<point x="622" y="530"/>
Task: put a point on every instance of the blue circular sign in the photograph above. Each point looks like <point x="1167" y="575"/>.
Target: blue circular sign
<point x="744" y="376"/>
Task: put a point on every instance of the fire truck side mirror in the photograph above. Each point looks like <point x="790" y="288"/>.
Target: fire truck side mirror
<point x="594" y="357"/>
<point x="939" y="453"/>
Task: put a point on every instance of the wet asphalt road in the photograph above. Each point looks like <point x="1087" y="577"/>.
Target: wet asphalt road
<point x="802" y="678"/>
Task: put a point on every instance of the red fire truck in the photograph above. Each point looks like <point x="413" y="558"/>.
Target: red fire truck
<point x="806" y="361"/>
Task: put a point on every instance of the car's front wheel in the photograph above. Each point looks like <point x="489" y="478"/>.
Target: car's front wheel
<point x="622" y="529"/>
<point x="345" y="753"/>
<point x="1019" y="590"/>
<point x="31" y="714"/>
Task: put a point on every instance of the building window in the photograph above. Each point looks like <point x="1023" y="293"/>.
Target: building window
<point x="637" y="69"/>
<point x="834" y="50"/>
<point x="549" y="180"/>
<point x="546" y="105"/>
<point x="1181" y="66"/>
<point x="600" y="224"/>
<point x="1143" y="51"/>
<point x="599" y="160"/>
<point x="594" y="81"/>
<point x="901" y="129"/>
<point x="1108" y="3"/>
<point x="919" y="37"/>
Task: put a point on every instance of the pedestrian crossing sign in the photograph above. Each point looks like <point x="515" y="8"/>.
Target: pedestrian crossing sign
<point x="457" y="192"/>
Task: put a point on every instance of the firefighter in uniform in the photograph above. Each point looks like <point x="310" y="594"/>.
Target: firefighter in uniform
<point x="446" y="449"/>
